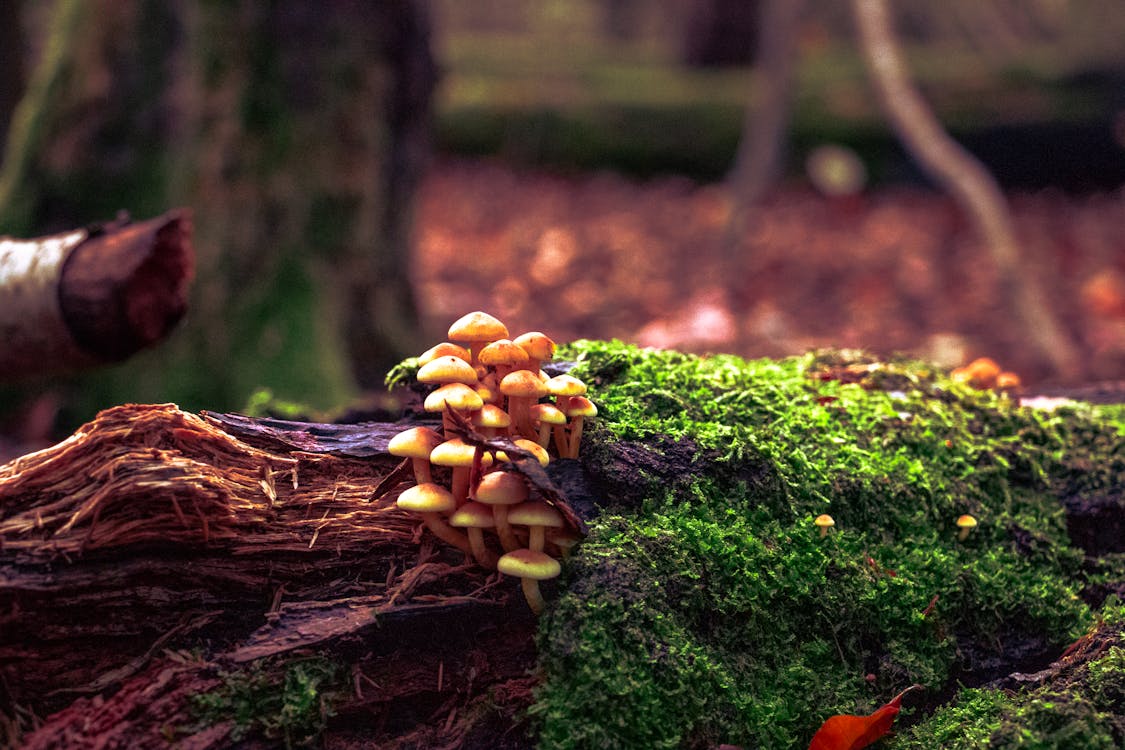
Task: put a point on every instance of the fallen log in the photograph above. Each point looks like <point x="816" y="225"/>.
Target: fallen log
<point x="151" y="532"/>
<point x="91" y="296"/>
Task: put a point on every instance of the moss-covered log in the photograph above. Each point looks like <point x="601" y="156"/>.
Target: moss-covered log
<point x="704" y="607"/>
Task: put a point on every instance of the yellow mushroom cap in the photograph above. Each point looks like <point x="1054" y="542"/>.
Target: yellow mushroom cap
<point x="502" y="352"/>
<point x="548" y="413"/>
<point x="535" y="513"/>
<point x="966" y="522"/>
<point x="531" y="447"/>
<point x="501" y="488"/>
<point x="416" y="442"/>
<point x="455" y="453"/>
<point x="565" y="385"/>
<point x="537" y="345"/>
<point x="477" y="326"/>
<point x="824" y="521"/>
<point x="447" y="369"/>
<point x="427" y="497"/>
<point x="523" y="563"/>
<point x="444" y="349"/>
<point x="456" y="395"/>
<point x="491" y="415"/>
<point x="474" y="515"/>
<point x="522" y="384"/>
<point x="580" y="406"/>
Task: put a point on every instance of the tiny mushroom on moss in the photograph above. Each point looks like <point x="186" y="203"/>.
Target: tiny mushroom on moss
<point x="965" y="524"/>
<point x="430" y="501"/>
<point x="416" y="444"/>
<point x="824" y="522"/>
<point x="499" y="489"/>
<point x="477" y="329"/>
<point x="473" y="517"/>
<point x="530" y="567"/>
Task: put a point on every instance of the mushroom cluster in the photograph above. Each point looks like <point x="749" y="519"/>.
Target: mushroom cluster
<point x="983" y="373"/>
<point x="495" y="383"/>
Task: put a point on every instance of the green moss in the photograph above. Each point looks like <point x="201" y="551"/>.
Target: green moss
<point x="288" y="703"/>
<point x="708" y="609"/>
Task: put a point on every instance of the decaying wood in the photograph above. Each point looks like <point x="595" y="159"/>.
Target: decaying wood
<point x="151" y="530"/>
<point x="91" y="296"/>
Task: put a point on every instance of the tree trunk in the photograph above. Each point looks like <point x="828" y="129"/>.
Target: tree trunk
<point x="761" y="149"/>
<point x="89" y="297"/>
<point x="965" y="179"/>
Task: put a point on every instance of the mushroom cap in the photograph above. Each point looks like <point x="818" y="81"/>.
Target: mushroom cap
<point x="966" y="522"/>
<point x="473" y="515"/>
<point x="548" y="413"/>
<point x="824" y="521"/>
<point x="447" y="369"/>
<point x="523" y="563"/>
<point x="501" y="488"/>
<point x="502" y="352"/>
<point x="444" y="349"/>
<point x="427" y="497"/>
<point x="580" y="406"/>
<point x="416" y="442"/>
<point x="1008" y="380"/>
<point x="565" y="385"/>
<point x="531" y="447"/>
<point x="456" y="395"/>
<point x="477" y="326"/>
<point x="537" y="345"/>
<point x="491" y="415"/>
<point x="455" y="453"/>
<point x="522" y="384"/>
<point x="535" y="513"/>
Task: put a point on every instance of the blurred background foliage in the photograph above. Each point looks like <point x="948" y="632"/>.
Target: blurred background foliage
<point x="299" y="134"/>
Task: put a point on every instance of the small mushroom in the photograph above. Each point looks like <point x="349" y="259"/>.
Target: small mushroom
<point x="530" y="567"/>
<point x="965" y="524"/>
<point x="491" y="420"/>
<point x="537" y="516"/>
<point x="824" y="522"/>
<point x="473" y="517"/>
<point x="447" y="369"/>
<point x="578" y="409"/>
<point x="444" y="349"/>
<point x="531" y="447"/>
<point x="431" y="500"/>
<point x="416" y="444"/>
<point x="499" y="489"/>
<point x="545" y="416"/>
<point x="538" y="346"/>
<point x="477" y="329"/>
<point x="457" y="396"/>
<point x="460" y="456"/>
<point x="502" y="356"/>
<point x="523" y="388"/>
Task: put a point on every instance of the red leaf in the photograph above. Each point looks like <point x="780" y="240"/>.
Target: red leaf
<point x="847" y="732"/>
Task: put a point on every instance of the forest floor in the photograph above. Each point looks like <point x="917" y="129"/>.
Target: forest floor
<point x="894" y="270"/>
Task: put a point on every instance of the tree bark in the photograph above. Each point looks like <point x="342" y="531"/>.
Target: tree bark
<point x="152" y="530"/>
<point x="965" y="179"/>
<point x="91" y="296"/>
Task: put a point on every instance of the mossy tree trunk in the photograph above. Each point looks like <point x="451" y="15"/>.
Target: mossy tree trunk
<point x="285" y="126"/>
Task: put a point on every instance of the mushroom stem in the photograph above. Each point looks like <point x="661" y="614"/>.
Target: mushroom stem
<point x="460" y="484"/>
<point x="536" y="538"/>
<point x="504" y="529"/>
<point x="483" y="555"/>
<point x="561" y="442"/>
<point x="533" y="595"/>
<point x="435" y="523"/>
<point x="422" y="470"/>
<point x="575" y="437"/>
